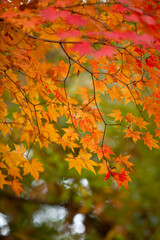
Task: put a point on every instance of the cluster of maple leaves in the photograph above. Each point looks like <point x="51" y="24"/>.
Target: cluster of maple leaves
<point x="116" y="43"/>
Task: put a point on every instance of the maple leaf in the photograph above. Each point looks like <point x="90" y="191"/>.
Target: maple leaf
<point x="150" y="141"/>
<point x="107" y="176"/>
<point x="115" y="93"/>
<point x="21" y="149"/>
<point x="83" y="48"/>
<point x="70" y="133"/>
<point x="130" y="118"/>
<point x="148" y="19"/>
<point x="70" y="33"/>
<point x="84" y="91"/>
<point x="117" y="114"/>
<point x="33" y="168"/>
<point x="120" y="8"/>
<point x="132" y="17"/>
<point x="140" y="123"/>
<point x="17" y="186"/>
<point x="75" y="19"/>
<point x="135" y="135"/>
<point x="52" y="14"/>
<point x="15" y="172"/>
<point x="124" y="160"/>
<point x="105" y="51"/>
<point x="52" y="113"/>
<point x="2" y="180"/>
<point x="13" y="159"/>
<point x="158" y="133"/>
<point x="42" y="90"/>
<point x="2" y="165"/>
<point x="122" y="178"/>
<point x="5" y="129"/>
<point x="100" y="86"/>
<point x="106" y="151"/>
<point x="103" y="167"/>
<point x="74" y="162"/>
<point x="89" y="142"/>
<point x="5" y="149"/>
<point x="109" y="173"/>
<point x="81" y="161"/>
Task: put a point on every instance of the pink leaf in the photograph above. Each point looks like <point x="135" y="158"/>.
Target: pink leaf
<point x="113" y="35"/>
<point x="70" y="33"/>
<point x="143" y="39"/>
<point x="76" y="20"/>
<point x="137" y="10"/>
<point x="149" y="20"/>
<point x="83" y="48"/>
<point x="132" y="18"/>
<point x="52" y="14"/>
<point x="123" y="1"/>
<point x="105" y="51"/>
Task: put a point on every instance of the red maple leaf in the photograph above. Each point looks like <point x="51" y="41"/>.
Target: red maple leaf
<point x="108" y="174"/>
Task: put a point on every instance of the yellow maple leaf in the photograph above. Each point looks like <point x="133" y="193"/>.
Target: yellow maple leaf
<point x="21" y="149"/>
<point x="52" y="113"/>
<point x="81" y="161"/>
<point x="103" y="167"/>
<point x="33" y="168"/>
<point x="5" y="129"/>
<point x="4" y="149"/>
<point x="13" y="159"/>
<point x="76" y="163"/>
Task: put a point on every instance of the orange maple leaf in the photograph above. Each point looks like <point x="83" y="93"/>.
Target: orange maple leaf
<point x="135" y="135"/>
<point x="150" y="141"/>
<point x="122" y="178"/>
<point x="2" y="180"/>
<point x="124" y="160"/>
<point x="17" y="186"/>
<point x="116" y="114"/>
<point x="115" y="93"/>
<point x="106" y="151"/>
<point x="158" y="133"/>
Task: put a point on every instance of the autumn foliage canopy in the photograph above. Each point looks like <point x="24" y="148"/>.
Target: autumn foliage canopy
<point x="115" y="45"/>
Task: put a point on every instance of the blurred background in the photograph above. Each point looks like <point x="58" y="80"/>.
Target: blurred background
<point x="63" y="205"/>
